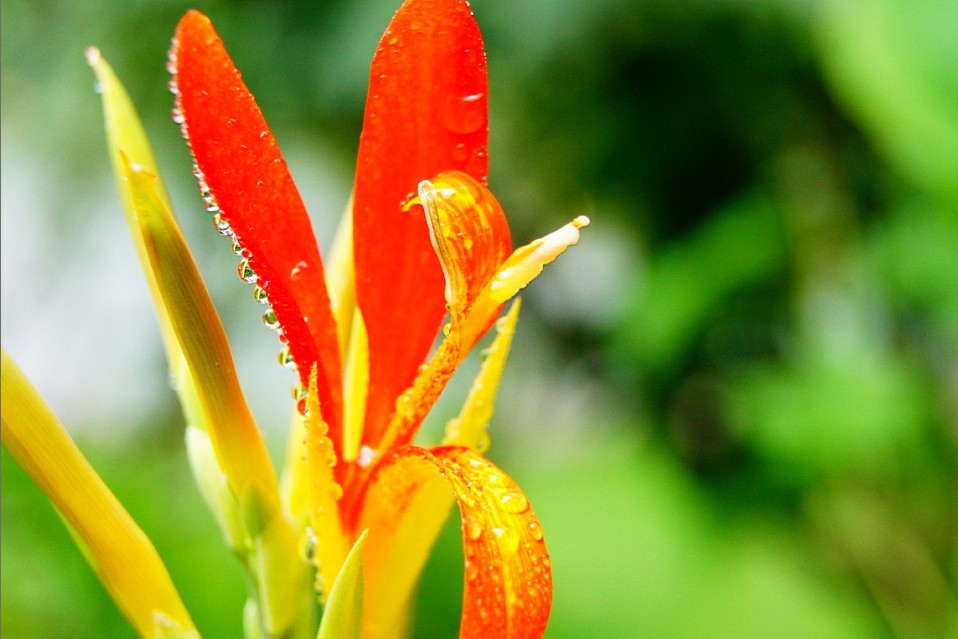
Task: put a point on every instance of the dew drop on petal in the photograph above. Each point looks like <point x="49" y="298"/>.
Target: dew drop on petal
<point x="299" y="268"/>
<point x="307" y="544"/>
<point x="535" y="530"/>
<point x="246" y="272"/>
<point x="259" y="294"/>
<point x="473" y="528"/>
<point x="464" y="114"/>
<point x="514" y="502"/>
<point x="270" y="320"/>
<point x="285" y="359"/>
<point x="366" y="456"/>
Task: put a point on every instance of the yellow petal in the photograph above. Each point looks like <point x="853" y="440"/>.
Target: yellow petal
<point x="508" y="579"/>
<point x="527" y="262"/>
<point x="356" y="382"/>
<point x="341" y="277"/>
<point x="523" y="266"/>
<point x="147" y="209"/>
<point x="324" y="494"/>
<point x="343" y="615"/>
<point x="469" y="427"/>
<point x="125" y="136"/>
<point x="239" y="447"/>
<point x="119" y="552"/>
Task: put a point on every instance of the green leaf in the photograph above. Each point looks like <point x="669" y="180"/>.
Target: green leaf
<point x="343" y="617"/>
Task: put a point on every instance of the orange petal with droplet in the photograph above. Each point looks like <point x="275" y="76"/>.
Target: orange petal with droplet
<point x="508" y="578"/>
<point x="239" y="160"/>
<point x="426" y="113"/>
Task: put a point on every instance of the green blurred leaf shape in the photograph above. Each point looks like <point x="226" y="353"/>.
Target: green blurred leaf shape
<point x="894" y="64"/>
<point x="640" y="551"/>
<point x="742" y="244"/>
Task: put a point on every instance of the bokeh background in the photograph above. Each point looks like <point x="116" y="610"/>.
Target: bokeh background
<point x="734" y="405"/>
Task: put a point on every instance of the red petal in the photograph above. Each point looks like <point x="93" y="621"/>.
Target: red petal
<point x="426" y="113"/>
<point x="508" y="579"/>
<point x="246" y="174"/>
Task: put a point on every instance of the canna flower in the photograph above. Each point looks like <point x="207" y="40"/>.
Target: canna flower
<point x="424" y="250"/>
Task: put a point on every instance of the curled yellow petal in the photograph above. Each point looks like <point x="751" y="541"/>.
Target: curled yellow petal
<point x="122" y="556"/>
<point x="468" y="231"/>
<point x="469" y="427"/>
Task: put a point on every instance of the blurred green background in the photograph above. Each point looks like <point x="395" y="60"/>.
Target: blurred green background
<point x="734" y="405"/>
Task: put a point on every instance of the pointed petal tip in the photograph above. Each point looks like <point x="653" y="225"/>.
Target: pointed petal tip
<point x="92" y="55"/>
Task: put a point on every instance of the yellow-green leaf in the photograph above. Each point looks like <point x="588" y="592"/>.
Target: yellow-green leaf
<point x="120" y="553"/>
<point x="343" y="616"/>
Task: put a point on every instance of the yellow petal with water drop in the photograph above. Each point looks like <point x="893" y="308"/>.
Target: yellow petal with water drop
<point x="122" y="556"/>
<point x="293" y="486"/>
<point x="343" y="615"/>
<point x="324" y="494"/>
<point x="469" y="427"/>
<point x="341" y="285"/>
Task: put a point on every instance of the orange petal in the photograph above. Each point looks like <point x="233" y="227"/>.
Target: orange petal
<point x="508" y="579"/>
<point x="240" y="164"/>
<point x="471" y="239"/>
<point x="426" y="113"/>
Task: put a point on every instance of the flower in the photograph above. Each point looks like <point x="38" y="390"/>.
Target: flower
<point x="423" y="246"/>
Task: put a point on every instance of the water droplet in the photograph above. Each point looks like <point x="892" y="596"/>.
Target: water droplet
<point x="301" y="407"/>
<point x="246" y="273"/>
<point x="514" y="502"/>
<point x="336" y="491"/>
<point x="465" y="114"/>
<point x="307" y="545"/>
<point x="222" y="225"/>
<point x="404" y="404"/>
<point x="459" y="153"/>
<point x="366" y="456"/>
<point x="298" y="269"/>
<point x="473" y="528"/>
<point x="393" y="40"/>
<point x="298" y="392"/>
<point x="259" y="294"/>
<point x="483" y="444"/>
<point x="177" y="116"/>
<point x="285" y="359"/>
<point x="447" y="329"/>
<point x="472" y="571"/>
<point x="270" y="320"/>
<point x="484" y="354"/>
<point x="535" y="530"/>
